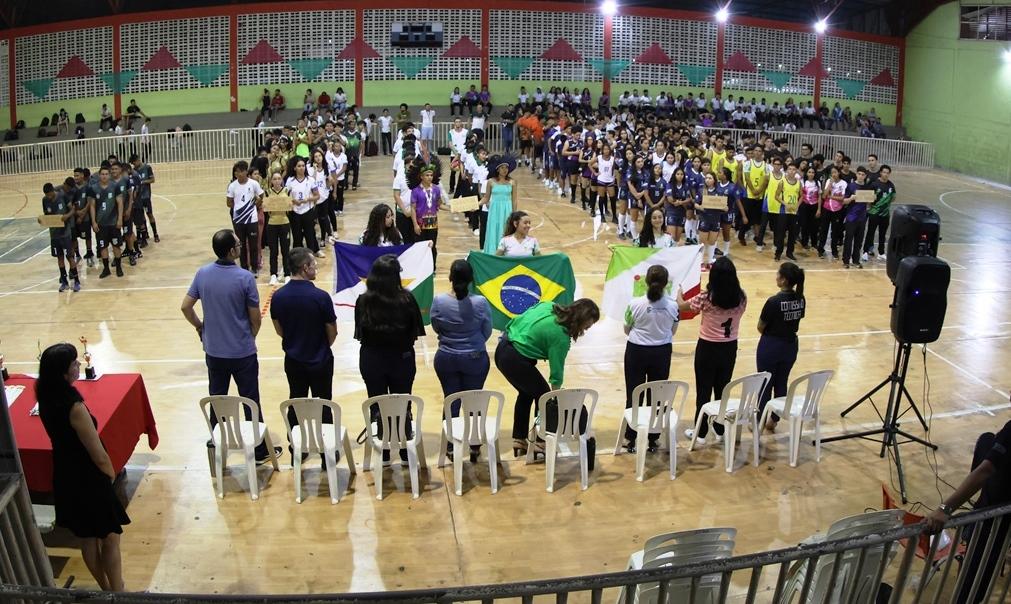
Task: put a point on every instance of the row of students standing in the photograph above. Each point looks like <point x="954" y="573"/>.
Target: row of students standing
<point x="113" y="206"/>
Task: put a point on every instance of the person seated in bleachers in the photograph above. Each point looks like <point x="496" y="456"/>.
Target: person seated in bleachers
<point x="323" y="102"/>
<point x="105" y="120"/>
<point x="277" y="104"/>
<point x="340" y="101"/>
<point x="308" y="102"/>
<point x="133" y="112"/>
<point x="63" y="123"/>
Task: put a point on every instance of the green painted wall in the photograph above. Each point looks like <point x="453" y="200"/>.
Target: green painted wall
<point x="415" y="93"/>
<point x="33" y="114"/>
<point x="181" y="102"/>
<point x="956" y="97"/>
<point x="249" y="96"/>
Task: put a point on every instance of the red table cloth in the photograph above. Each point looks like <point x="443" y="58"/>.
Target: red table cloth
<point x="118" y="401"/>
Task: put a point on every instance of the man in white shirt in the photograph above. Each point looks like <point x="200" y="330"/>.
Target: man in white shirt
<point x="645" y="100"/>
<point x="624" y="100"/>
<point x="385" y="122"/>
<point x="427" y="124"/>
<point x="700" y="104"/>
<point x="477" y="122"/>
<point x="729" y="106"/>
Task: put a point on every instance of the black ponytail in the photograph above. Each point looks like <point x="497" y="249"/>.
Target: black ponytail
<point x="794" y="277"/>
<point x="461" y="275"/>
<point x="656" y="282"/>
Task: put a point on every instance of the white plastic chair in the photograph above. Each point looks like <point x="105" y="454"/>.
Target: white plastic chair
<point x="734" y="414"/>
<point x="475" y="426"/>
<point x="311" y="436"/>
<point x="802" y="403"/>
<point x="233" y="432"/>
<point x="849" y="585"/>
<point x="393" y="415"/>
<point x="656" y="409"/>
<point x="678" y="549"/>
<point x="570" y="404"/>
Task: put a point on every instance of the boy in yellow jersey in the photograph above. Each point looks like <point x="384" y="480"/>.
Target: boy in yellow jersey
<point x="756" y="179"/>
<point x="772" y="206"/>
<point x="785" y="221"/>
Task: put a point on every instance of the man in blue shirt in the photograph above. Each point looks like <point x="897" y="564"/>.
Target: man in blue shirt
<point x="304" y="317"/>
<point x="231" y="321"/>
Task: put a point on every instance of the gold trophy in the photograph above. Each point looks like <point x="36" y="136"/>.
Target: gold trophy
<point x="89" y="369"/>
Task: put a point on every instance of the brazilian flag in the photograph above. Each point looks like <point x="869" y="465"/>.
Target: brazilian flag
<point x="512" y="285"/>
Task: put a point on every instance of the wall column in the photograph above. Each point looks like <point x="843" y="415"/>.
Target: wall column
<point x="608" y="50"/>
<point x="117" y="99"/>
<point x="233" y="62"/>
<point x="721" y="31"/>
<point x="12" y="91"/>
<point x="359" y="59"/>
<point x="819" y="48"/>
<point x="901" y="83"/>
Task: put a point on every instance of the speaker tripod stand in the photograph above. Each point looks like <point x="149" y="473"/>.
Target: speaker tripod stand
<point x="889" y="432"/>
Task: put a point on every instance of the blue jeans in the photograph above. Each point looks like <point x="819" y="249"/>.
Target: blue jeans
<point x="507" y="137"/>
<point x="459" y="372"/>
<point x="245" y="371"/>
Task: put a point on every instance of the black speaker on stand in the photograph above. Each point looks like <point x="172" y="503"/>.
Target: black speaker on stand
<point x="918" y="308"/>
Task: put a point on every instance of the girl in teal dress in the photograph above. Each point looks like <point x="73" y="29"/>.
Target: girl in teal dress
<point x="500" y="200"/>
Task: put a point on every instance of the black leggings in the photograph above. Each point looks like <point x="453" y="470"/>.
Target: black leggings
<point x="644" y="364"/>
<point x="323" y="212"/>
<point x="834" y="220"/>
<point x="303" y="230"/>
<point x="777" y="356"/>
<point x="807" y="224"/>
<point x="387" y="371"/>
<point x="248" y="234"/>
<point x="714" y="368"/>
<point x="278" y="237"/>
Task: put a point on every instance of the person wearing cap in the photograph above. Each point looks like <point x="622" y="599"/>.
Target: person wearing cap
<point x="501" y="196"/>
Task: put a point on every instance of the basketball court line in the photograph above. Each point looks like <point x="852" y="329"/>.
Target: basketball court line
<point x="42" y="232"/>
<point x="968" y="374"/>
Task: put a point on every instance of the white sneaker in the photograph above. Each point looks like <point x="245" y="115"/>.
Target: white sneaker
<point x="320" y="254"/>
<point x="273" y="279"/>
<point x="882" y="257"/>
<point x="864" y="257"/>
<point x="689" y="433"/>
<point x="759" y="248"/>
<point x="561" y="193"/>
<point x="287" y="279"/>
<point x="477" y="232"/>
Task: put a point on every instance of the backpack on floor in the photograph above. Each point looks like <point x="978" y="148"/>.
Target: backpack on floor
<point x="45" y="123"/>
<point x="371" y="149"/>
<point x="79" y="119"/>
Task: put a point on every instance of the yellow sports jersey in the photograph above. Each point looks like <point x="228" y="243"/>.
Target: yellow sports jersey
<point x="731" y="164"/>
<point x="754" y="176"/>
<point x="775" y="184"/>
<point x="716" y="158"/>
<point x="791" y="195"/>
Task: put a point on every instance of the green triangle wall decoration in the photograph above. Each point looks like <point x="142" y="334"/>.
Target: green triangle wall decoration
<point x="851" y="88"/>
<point x="206" y="74"/>
<point x="513" y="66"/>
<point x="609" y="68"/>
<point x="39" y="88"/>
<point x="696" y="74"/>
<point x="117" y="82"/>
<point x="310" y="69"/>
<point x="778" y="79"/>
<point x="411" y="66"/>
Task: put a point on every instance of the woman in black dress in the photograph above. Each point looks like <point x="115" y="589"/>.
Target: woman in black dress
<point x="82" y="471"/>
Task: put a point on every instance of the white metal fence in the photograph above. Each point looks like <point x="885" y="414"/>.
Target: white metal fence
<point x="241" y="143"/>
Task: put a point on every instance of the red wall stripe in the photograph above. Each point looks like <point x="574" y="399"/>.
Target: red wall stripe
<point x="721" y="35"/>
<point x="608" y="42"/>
<point x="359" y="59"/>
<point x="117" y="99"/>
<point x="485" y="44"/>
<point x="819" y="51"/>
<point x="233" y="62"/>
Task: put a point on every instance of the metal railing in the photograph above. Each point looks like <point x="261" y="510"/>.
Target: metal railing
<point x="741" y="578"/>
<point x="241" y="143"/>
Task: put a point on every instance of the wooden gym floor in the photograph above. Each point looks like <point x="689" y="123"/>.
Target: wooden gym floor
<point x="184" y="539"/>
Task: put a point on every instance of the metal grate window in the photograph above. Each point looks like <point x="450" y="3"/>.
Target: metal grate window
<point x="4" y="56"/>
<point x="769" y="50"/>
<point x="985" y="22"/>
<point x="302" y="40"/>
<point x="691" y="43"/>
<point x="527" y="34"/>
<point x="425" y="62"/>
<point x="197" y="44"/>
<point x="860" y="61"/>
<point x="41" y="58"/>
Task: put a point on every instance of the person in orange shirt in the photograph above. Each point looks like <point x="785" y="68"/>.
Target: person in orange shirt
<point x="525" y="126"/>
<point x="537" y="130"/>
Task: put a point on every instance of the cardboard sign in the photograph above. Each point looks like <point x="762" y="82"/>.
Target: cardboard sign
<point x="714" y="202"/>
<point x="277" y="203"/>
<point x="865" y="196"/>
<point x="52" y="221"/>
<point x="465" y="204"/>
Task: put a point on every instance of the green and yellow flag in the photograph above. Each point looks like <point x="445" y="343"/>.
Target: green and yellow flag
<point x="512" y="285"/>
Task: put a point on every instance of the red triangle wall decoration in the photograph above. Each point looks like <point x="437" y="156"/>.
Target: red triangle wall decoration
<point x="465" y="48"/>
<point x="262" y="54"/>
<point x="740" y="62"/>
<point x="163" y="59"/>
<point x="358" y="48"/>
<point x="884" y="79"/>
<point x="561" y="51"/>
<point x="75" y="68"/>
<point x="813" y="69"/>
<point x="654" y="55"/>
